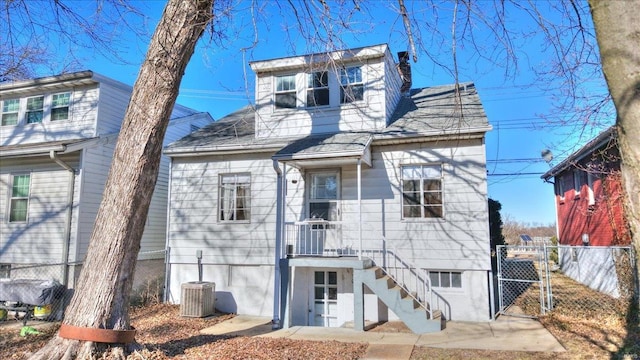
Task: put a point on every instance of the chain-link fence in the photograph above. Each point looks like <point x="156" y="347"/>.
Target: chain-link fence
<point x="586" y="281"/>
<point x="41" y="291"/>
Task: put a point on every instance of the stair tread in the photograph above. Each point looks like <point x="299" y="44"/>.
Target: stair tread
<point x="396" y="297"/>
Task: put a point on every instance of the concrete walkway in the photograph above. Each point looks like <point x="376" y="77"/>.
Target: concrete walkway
<point x="506" y="333"/>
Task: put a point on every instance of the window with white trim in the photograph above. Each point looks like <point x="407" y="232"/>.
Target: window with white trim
<point x="19" y="202"/>
<point x="234" y="197"/>
<point x="351" y="85"/>
<point x="318" y="89"/>
<point x="559" y="186"/>
<point x="422" y="191"/>
<point x="578" y="180"/>
<point x="324" y="195"/>
<point x="60" y="106"/>
<point x="446" y="279"/>
<point x="35" y="109"/>
<point x="10" y="109"/>
<point x="286" y="91"/>
<point x="591" y="178"/>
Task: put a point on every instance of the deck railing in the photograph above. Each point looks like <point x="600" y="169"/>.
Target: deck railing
<point x="314" y="237"/>
<point x="317" y="237"/>
<point x="413" y="280"/>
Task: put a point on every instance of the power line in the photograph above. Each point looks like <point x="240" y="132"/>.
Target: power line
<point x="516" y="174"/>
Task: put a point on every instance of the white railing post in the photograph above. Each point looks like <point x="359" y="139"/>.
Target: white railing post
<point x="417" y="284"/>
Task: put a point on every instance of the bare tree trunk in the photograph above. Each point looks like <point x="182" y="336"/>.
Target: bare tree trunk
<point x="617" y="26"/>
<point x="101" y="299"/>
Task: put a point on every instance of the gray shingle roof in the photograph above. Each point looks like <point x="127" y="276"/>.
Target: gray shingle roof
<point x="437" y="110"/>
<point x="316" y="146"/>
<point x="235" y="129"/>
<point x="426" y="112"/>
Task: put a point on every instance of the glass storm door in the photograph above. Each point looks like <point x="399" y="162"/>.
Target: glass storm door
<point x="324" y="306"/>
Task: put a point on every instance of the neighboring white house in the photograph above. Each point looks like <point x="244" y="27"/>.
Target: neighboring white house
<point x="57" y="136"/>
<point x="342" y="197"/>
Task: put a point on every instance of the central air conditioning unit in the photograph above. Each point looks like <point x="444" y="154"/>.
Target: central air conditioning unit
<point x="197" y="299"/>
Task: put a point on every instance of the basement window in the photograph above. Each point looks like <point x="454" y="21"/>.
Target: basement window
<point x="446" y="279"/>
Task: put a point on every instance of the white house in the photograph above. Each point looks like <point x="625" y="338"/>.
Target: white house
<point x="342" y="197"/>
<point x="57" y="136"/>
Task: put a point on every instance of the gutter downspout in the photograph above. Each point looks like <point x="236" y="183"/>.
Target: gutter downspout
<point x="360" y="208"/>
<point x="167" y="248"/>
<point x="67" y="231"/>
<point x="278" y="246"/>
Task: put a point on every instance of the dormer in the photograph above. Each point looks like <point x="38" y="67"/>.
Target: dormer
<point x="341" y="91"/>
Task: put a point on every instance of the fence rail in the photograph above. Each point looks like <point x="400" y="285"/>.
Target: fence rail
<point x="41" y="291"/>
<point x="586" y="280"/>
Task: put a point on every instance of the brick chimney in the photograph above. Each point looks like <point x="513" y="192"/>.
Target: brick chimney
<point x="404" y="68"/>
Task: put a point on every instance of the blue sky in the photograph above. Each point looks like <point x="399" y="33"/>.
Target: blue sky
<point x="518" y="107"/>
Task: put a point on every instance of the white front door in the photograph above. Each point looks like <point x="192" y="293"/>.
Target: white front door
<point x="324" y="299"/>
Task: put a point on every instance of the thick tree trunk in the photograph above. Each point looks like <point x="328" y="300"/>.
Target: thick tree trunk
<point x="101" y="299"/>
<point x="617" y="26"/>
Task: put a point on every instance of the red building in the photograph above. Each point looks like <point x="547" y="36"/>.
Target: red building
<point x="589" y="195"/>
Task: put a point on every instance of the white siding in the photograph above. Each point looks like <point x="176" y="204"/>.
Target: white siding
<point x="393" y="82"/>
<point x="193" y="212"/>
<point x="459" y="240"/>
<point x="181" y="126"/>
<point x="155" y="230"/>
<point x="461" y="237"/>
<point x="95" y="110"/>
<point x="368" y="114"/>
<point x="240" y="289"/>
<point x="469" y="303"/>
<point x="95" y="165"/>
<point x="111" y="107"/>
<point x="42" y="237"/>
<point x="81" y="122"/>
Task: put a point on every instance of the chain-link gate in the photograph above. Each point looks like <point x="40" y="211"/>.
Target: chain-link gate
<point x="584" y="280"/>
<point x="523" y="281"/>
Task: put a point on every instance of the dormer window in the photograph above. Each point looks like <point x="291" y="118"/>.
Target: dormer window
<point x="60" y="106"/>
<point x="35" y="109"/>
<point x="351" y="86"/>
<point x="318" y="89"/>
<point x="286" y="91"/>
<point x="10" y="110"/>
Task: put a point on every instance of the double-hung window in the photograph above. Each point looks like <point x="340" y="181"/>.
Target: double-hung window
<point x="286" y="91"/>
<point x="351" y="86"/>
<point x="19" y="202"/>
<point x="35" y="109"/>
<point x="10" y="110"/>
<point x="318" y="88"/>
<point x="578" y="180"/>
<point x="422" y="191"/>
<point x="60" y="106"/>
<point x="234" y="202"/>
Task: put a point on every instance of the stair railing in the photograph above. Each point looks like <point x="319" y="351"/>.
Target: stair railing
<point x="413" y="280"/>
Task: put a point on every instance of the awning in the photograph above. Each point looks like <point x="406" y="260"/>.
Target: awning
<point x="327" y="149"/>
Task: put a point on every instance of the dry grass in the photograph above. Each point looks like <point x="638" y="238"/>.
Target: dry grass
<point x="163" y="334"/>
<point x="602" y="329"/>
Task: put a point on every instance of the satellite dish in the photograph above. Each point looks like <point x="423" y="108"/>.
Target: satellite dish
<point x="547" y="155"/>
